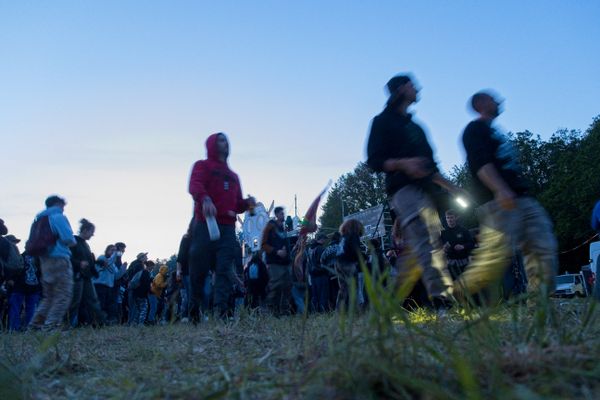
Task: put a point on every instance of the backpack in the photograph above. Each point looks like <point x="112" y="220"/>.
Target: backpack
<point x="135" y="282"/>
<point x="41" y="237"/>
<point x="14" y="263"/>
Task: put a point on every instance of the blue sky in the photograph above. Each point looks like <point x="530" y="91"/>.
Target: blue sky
<point x="109" y="103"/>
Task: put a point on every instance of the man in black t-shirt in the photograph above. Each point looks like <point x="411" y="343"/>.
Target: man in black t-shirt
<point x="398" y="147"/>
<point x="509" y="217"/>
<point x="458" y="244"/>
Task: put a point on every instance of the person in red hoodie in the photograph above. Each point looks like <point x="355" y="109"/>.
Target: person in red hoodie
<point x="217" y="193"/>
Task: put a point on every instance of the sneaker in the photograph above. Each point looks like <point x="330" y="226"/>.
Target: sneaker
<point x="185" y="320"/>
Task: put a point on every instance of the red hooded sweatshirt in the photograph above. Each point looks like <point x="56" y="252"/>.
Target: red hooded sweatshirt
<point x="214" y="179"/>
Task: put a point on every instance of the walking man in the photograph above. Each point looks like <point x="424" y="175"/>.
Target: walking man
<point x="57" y="272"/>
<point x="509" y="217"/>
<point x="217" y="194"/>
<point x="398" y="147"/>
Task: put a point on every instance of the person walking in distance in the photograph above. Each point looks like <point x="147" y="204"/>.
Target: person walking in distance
<point x="217" y="198"/>
<point x="398" y="147"/>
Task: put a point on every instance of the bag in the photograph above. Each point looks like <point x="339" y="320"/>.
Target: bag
<point x="41" y="237"/>
<point x="14" y="263"/>
<point x="135" y="282"/>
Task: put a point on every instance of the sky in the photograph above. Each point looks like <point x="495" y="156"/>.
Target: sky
<point x="109" y="103"/>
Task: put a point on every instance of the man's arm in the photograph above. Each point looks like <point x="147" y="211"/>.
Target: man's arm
<point x="503" y="194"/>
<point x="265" y="246"/>
<point x="198" y="180"/>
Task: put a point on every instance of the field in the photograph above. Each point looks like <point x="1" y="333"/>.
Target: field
<point x="514" y="351"/>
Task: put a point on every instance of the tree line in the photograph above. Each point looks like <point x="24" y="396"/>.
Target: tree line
<point x="563" y="171"/>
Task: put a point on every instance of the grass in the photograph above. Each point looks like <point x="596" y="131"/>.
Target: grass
<point x="544" y="350"/>
<point x="498" y="353"/>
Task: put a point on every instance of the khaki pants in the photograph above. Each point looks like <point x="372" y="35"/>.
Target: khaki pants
<point x="420" y="225"/>
<point x="527" y="228"/>
<point x="57" y="289"/>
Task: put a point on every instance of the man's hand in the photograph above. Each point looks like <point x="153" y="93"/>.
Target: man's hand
<point x="208" y="208"/>
<point x="84" y="264"/>
<point x="447" y="247"/>
<point x="459" y="247"/>
<point x="506" y="198"/>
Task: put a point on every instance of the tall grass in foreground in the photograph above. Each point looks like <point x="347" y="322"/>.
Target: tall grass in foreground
<point x="534" y="349"/>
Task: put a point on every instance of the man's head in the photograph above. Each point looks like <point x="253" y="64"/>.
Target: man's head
<point x="12" y="238"/>
<point x="120" y="246"/>
<point x="55" y="201"/>
<point x="143" y="257"/>
<point x="279" y="214"/>
<point x="321" y="238"/>
<point x="486" y="104"/>
<point x="86" y="229"/>
<point x="451" y="218"/>
<point x="402" y="91"/>
<point x="217" y="147"/>
<point x="222" y="146"/>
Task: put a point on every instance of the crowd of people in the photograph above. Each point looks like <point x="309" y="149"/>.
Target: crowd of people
<point x="57" y="281"/>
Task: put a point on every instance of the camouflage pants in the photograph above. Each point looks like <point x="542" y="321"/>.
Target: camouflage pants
<point x="420" y="226"/>
<point x="57" y="290"/>
<point x="527" y="228"/>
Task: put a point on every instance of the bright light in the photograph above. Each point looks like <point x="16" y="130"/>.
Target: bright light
<point x="462" y="202"/>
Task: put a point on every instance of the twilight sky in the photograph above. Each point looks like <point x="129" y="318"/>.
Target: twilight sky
<point x="109" y="103"/>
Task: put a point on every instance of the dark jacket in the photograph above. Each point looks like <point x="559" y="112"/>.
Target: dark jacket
<point x="145" y="281"/>
<point x="274" y="238"/>
<point x="133" y="269"/>
<point x="183" y="254"/>
<point x="213" y="178"/>
<point x="82" y="252"/>
<point x="458" y="235"/>
<point x="394" y="135"/>
<point x="28" y="281"/>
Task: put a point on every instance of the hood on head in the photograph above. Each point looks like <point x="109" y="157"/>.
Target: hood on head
<point x="212" y="153"/>
<point x="163" y="270"/>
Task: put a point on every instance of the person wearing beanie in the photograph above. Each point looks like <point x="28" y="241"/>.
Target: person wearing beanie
<point x="398" y="147"/>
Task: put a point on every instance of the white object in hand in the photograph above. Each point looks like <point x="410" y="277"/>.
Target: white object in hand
<point x="213" y="228"/>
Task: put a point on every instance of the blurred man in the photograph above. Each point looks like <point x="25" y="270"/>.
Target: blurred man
<point x="508" y="215"/>
<point x="217" y="194"/>
<point x="398" y="147"/>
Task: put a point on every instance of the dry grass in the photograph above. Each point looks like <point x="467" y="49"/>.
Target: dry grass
<point x="503" y="353"/>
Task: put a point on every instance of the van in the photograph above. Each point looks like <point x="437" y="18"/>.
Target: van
<point x="570" y="285"/>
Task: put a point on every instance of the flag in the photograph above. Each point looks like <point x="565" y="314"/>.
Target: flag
<point x="309" y="222"/>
